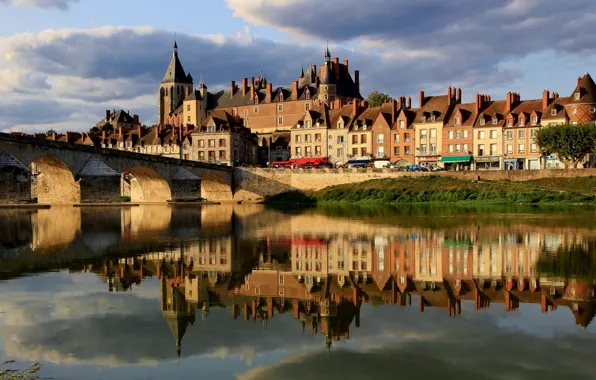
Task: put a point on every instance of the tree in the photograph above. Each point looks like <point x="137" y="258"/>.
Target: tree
<point x="376" y="98"/>
<point x="571" y="143"/>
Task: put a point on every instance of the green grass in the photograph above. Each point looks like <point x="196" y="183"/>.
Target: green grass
<point x="439" y="189"/>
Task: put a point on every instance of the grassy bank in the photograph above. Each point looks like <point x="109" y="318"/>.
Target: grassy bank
<point x="439" y="189"/>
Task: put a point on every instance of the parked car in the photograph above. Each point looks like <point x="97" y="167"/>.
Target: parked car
<point x="435" y="168"/>
<point x="417" y="168"/>
<point x="380" y="164"/>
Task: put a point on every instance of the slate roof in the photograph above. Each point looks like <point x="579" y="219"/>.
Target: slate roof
<point x="559" y="106"/>
<point x="175" y="72"/>
<point x="587" y="90"/>
<point x="96" y="168"/>
<point x="468" y="115"/>
<point x="8" y="160"/>
<point x="525" y="109"/>
<point x="494" y="108"/>
<point x="434" y="104"/>
<point x="327" y="76"/>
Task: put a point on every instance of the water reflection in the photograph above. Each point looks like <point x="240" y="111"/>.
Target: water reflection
<point x="318" y="268"/>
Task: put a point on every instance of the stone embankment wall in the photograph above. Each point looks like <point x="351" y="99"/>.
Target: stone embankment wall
<point x="253" y="184"/>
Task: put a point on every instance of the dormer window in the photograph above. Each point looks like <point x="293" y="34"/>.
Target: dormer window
<point x="423" y="119"/>
<point x="433" y="117"/>
<point x="482" y="121"/>
<point x="510" y="121"/>
<point x="457" y="120"/>
<point x="307" y="123"/>
<point x="534" y="120"/>
<point x="577" y="95"/>
<point x="495" y="121"/>
<point x="340" y="125"/>
<point x="402" y="124"/>
<point x="522" y="121"/>
<point x="553" y="112"/>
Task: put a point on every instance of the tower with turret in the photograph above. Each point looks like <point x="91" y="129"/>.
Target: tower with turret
<point x="581" y="107"/>
<point x="328" y="86"/>
<point x="174" y="88"/>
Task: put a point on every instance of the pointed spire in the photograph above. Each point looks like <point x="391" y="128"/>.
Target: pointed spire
<point x="327" y="53"/>
<point x="175" y="49"/>
<point x="302" y="72"/>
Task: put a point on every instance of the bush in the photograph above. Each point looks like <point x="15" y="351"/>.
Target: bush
<point x="125" y="199"/>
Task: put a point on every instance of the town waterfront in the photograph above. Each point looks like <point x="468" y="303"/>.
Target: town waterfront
<point x="333" y="291"/>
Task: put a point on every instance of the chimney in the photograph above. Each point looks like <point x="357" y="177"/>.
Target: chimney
<point x="156" y="131"/>
<point x="579" y="79"/>
<point x="120" y="131"/>
<point x="335" y="67"/>
<point x="409" y="103"/>
<point x="187" y="92"/>
<point x="295" y="89"/>
<point x="393" y="111"/>
<point x="108" y="113"/>
<point x="268" y="93"/>
<point x="354" y="108"/>
<point x="421" y="99"/>
<point x="508" y="102"/>
<point x="244" y="86"/>
<point x="545" y="98"/>
<point x="449" y="96"/>
<point x="459" y="95"/>
<point x="314" y="69"/>
<point x="252" y="87"/>
<point x="346" y="66"/>
<point x="136" y="119"/>
<point x="335" y="61"/>
<point x="232" y="89"/>
<point x="357" y="79"/>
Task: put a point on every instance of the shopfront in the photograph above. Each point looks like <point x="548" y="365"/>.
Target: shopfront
<point x="457" y="163"/>
<point x="514" y="164"/>
<point x="552" y="162"/>
<point x="488" y="163"/>
<point x="429" y="161"/>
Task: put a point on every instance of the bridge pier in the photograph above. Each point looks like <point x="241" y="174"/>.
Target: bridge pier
<point x="185" y="186"/>
<point x="15" y="181"/>
<point x="99" y="183"/>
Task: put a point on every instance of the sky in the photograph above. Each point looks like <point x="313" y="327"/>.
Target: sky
<point x="64" y="62"/>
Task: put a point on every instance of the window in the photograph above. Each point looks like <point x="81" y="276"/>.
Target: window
<point x="522" y="121"/>
<point x="201" y="143"/>
<point x="457" y="148"/>
<point x="307" y="107"/>
<point x="495" y="121"/>
<point x="280" y="121"/>
<point x="465" y="148"/>
<point x="396" y="138"/>
<point x="340" y="139"/>
<point x="307" y="138"/>
<point x="188" y="119"/>
<point x="362" y="139"/>
<point x="450" y="148"/>
<point x="245" y="123"/>
<point x="465" y="133"/>
<point x="433" y="133"/>
<point x="423" y="150"/>
<point x="255" y="110"/>
<point x="493" y="149"/>
<point x="509" y="135"/>
<point x="380" y="138"/>
<point x="482" y="121"/>
<point x="245" y="113"/>
<point x="201" y="155"/>
<point x="532" y="132"/>
<point x="521" y="134"/>
<point x="577" y="95"/>
<point x="457" y="120"/>
<point x="433" y="117"/>
<point x="450" y="135"/>
<point x="534" y="148"/>
<point x="298" y="152"/>
<point x="354" y="139"/>
<point x="553" y="112"/>
<point x="592" y="110"/>
<point x="317" y="137"/>
<point x="340" y="125"/>
<point x="380" y="152"/>
<point x="280" y="108"/>
<point x="493" y="134"/>
<point x="326" y="97"/>
<point x="396" y="151"/>
<point x="423" y="119"/>
<point x="324" y="88"/>
<point x="211" y="143"/>
<point x="234" y="112"/>
<point x="534" y="120"/>
<point x="481" y="150"/>
<point x="363" y="152"/>
<point x="509" y="149"/>
<point x="222" y="142"/>
<point x="458" y="134"/>
<point x="354" y="152"/>
<point x="317" y="150"/>
<point x="307" y="123"/>
<point x="340" y="152"/>
<point x="402" y="124"/>
<point x="521" y="148"/>
<point x="406" y="137"/>
<point x="188" y="107"/>
<point x="407" y="150"/>
<point x="222" y="154"/>
<point x="481" y="135"/>
<point x="423" y="133"/>
<point x="510" y="121"/>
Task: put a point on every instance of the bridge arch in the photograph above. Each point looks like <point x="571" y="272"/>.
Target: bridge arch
<point x="145" y="185"/>
<point x="53" y="182"/>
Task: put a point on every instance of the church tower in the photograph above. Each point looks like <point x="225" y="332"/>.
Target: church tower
<point x="175" y="86"/>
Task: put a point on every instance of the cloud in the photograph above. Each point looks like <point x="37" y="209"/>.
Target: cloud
<point x="43" y="4"/>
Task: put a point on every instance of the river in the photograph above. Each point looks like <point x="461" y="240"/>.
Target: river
<point x="249" y="292"/>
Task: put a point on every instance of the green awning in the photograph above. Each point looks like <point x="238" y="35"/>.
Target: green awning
<point x="456" y="159"/>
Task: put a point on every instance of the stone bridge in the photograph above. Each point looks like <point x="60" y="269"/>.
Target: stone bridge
<point x="67" y="173"/>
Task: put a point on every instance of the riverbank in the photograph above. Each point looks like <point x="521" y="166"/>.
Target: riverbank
<point x="441" y="189"/>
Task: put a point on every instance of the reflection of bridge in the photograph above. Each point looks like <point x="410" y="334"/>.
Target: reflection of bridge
<point x="66" y="173"/>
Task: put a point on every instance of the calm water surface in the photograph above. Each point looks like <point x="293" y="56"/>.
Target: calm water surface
<point x="246" y="292"/>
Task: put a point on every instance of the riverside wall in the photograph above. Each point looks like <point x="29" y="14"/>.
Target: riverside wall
<point x="253" y="184"/>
